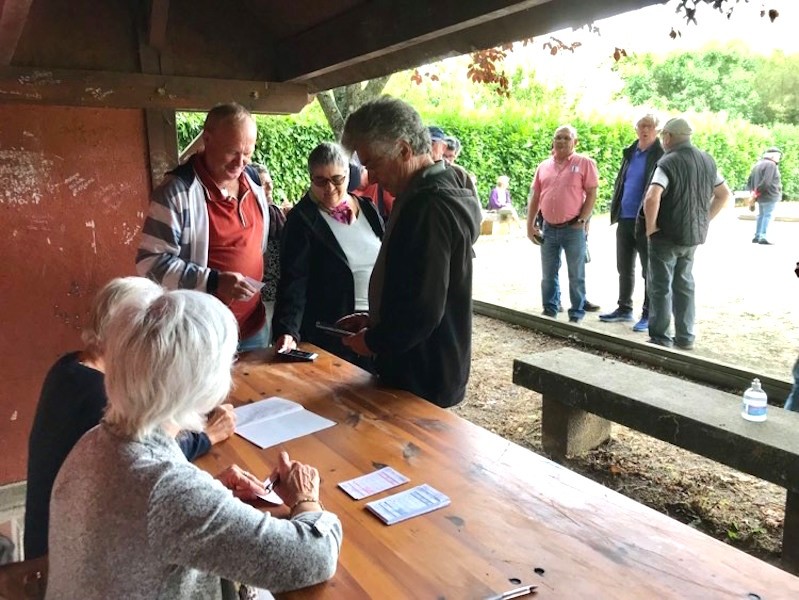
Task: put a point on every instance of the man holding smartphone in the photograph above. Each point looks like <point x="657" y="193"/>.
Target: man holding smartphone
<point x="419" y="325"/>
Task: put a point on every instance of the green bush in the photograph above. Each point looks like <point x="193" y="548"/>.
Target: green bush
<point x="513" y="143"/>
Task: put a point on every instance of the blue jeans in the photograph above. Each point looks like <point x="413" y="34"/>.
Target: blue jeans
<point x="571" y="240"/>
<point x="764" y="212"/>
<point x="670" y="284"/>
<point x="256" y="341"/>
<point x="792" y="402"/>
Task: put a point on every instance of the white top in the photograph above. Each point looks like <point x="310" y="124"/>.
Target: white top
<point x="660" y="178"/>
<point x="360" y="246"/>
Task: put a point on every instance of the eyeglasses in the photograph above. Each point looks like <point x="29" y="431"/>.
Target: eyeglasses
<point x="336" y="180"/>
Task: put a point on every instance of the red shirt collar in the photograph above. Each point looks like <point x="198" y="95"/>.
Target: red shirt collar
<point x="214" y="191"/>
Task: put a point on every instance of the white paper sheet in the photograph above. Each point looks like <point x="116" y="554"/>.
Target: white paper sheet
<point x="373" y="483"/>
<point x="276" y="420"/>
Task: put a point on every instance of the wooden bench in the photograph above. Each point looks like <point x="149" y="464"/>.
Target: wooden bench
<point x="583" y="393"/>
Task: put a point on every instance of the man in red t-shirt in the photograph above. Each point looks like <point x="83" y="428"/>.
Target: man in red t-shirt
<point x="207" y="225"/>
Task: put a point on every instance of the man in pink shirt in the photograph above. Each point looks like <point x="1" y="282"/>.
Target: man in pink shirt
<point x="564" y="190"/>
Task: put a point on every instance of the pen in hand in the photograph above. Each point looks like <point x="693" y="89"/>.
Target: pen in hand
<point x="269" y="484"/>
<point x="515" y="593"/>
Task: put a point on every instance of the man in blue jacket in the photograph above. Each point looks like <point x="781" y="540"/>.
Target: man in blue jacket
<point x="637" y="166"/>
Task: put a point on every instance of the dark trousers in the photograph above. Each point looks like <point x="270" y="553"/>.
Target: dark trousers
<point x="628" y="246"/>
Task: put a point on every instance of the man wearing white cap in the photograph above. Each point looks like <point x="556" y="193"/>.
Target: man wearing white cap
<point x="765" y="184"/>
<point x="685" y="193"/>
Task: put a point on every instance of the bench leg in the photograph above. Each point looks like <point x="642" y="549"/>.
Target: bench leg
<point x="790" y="534"/>
<point x="567" y="431"/>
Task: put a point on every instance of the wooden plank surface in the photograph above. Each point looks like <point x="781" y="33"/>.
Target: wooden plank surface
<point x="514" y="514"/>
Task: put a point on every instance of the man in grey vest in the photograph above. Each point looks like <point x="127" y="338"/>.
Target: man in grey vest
<point x="685" y="193"/>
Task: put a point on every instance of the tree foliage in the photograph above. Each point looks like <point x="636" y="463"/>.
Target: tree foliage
<point x="759" y="89"/>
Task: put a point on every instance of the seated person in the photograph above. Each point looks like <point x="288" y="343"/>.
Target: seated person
<point x="330" y="244"/>
<point x="73" y="400"/>
<point x="132" y="518"/>
<point x="500" y="198"/>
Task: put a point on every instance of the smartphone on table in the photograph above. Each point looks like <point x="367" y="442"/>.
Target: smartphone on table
<point x="297" y="355"/>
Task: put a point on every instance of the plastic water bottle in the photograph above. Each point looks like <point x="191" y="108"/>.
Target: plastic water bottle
<point x="755" y="403"/>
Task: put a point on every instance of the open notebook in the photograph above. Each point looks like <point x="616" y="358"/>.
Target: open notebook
<point x="275" y="420"/>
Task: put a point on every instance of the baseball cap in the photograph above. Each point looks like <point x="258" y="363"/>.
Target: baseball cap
<point x="677" y="126"/>
<point x="436" y="133"/>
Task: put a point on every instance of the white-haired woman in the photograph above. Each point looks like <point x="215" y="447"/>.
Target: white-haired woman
<point x="73" y="399"/>
<point x="132" y="518"/>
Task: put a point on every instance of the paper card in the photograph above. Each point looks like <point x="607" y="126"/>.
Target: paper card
<point x="373" y="483"/>
<point x="271" y="496"/>
<point x="410" y="503"/>
<point x="255" y="283"/>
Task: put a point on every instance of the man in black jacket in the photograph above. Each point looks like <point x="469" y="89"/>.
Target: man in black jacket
<point x="419" y="325"/>
<point x="637" y="166"/>
<point x="686" y="192"/>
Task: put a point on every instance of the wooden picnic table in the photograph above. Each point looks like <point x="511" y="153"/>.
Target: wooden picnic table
<point x="516" y="518"/>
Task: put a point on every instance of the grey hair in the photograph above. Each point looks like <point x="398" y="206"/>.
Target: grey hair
<point x="262" y="170"/>
<point x="453" y="143"/>
<point x="328" y="153"/>
<point x="111" y="296"/>
<point x="168" y="362"/>
<point x="381" y="123"/>
<point x="649" y="117"/>
<point x="570" y="127"/>
<point x="503" y="179"/>
<point x="231" y="112"/>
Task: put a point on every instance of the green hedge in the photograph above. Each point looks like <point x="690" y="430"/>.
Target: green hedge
<point x="514" y="143"/>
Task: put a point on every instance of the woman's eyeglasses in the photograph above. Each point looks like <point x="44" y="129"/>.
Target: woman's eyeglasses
<point x="336" y="180"/>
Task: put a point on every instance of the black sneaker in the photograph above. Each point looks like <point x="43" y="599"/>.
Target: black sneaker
<point x="617" y="316"/>
<point x="765" y="242"/>
<point x="549" y="313"/>
<point x="661" y="342"/>
<point x="574" y="320"/>
<point x="590" y="306"/>
<point x="755" y="240"/>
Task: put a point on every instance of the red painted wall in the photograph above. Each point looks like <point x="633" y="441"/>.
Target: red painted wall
<point x="74" y="185"/>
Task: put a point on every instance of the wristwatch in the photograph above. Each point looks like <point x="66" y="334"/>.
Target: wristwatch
<point x="581" y="221"/>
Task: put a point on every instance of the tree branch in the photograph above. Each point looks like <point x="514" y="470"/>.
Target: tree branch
<point x="334" y="118"/>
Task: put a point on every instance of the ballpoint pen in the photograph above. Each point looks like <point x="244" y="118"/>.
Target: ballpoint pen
<point x="269" y="485"/>
<point x="515" y="593"/>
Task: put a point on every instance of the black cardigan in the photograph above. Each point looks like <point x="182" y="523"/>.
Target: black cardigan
<point x="316" y="282"/>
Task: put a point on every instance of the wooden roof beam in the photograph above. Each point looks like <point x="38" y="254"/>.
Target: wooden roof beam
<point x="159" y="15"/>
<point x="140" y="90"/>
<point x="13" y="14"/>
<point x="449" y="28"/>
